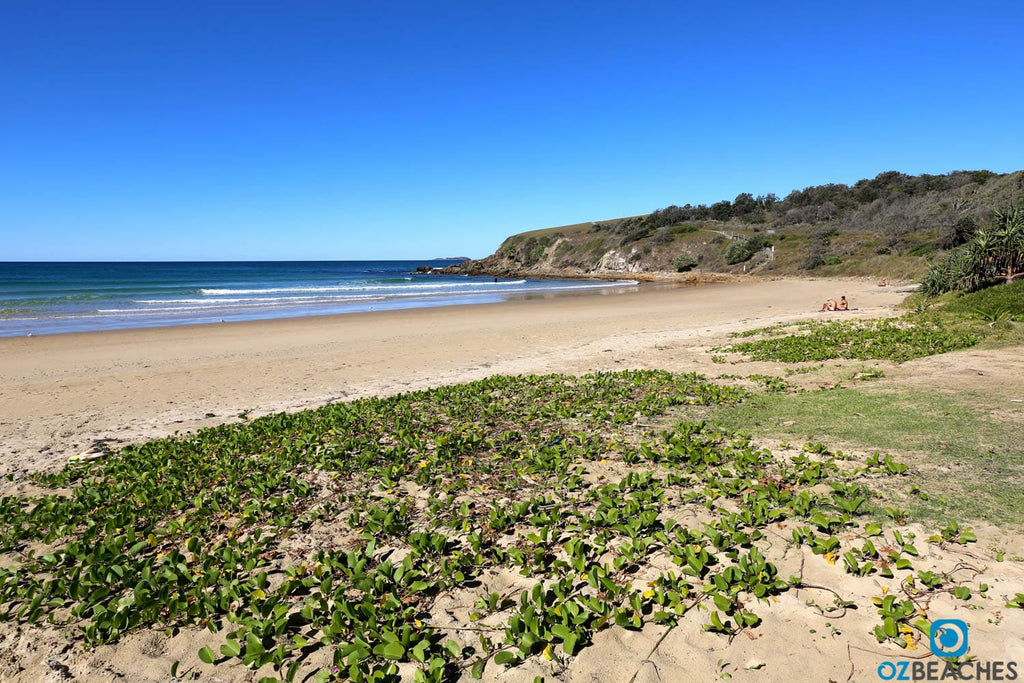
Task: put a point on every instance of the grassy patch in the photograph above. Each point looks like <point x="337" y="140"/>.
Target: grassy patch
<point x="976" y="462"/>
<point x="1000" y="302"/>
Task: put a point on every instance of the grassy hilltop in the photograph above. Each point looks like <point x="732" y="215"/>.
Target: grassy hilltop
<point x="893" y="225"/>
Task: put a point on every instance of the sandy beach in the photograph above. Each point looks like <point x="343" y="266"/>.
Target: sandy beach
<point x="65" y="395"/>
<point x="62" y="394"/>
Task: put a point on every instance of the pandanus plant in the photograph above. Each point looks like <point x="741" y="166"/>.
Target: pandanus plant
<point x="993" y="253"/>
<point x="1008" y="238"/>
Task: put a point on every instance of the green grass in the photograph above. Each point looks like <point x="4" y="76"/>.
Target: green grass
<point x="977" y="462"/>
<point x="999" y="302"/>
<point x="567" y="230"/>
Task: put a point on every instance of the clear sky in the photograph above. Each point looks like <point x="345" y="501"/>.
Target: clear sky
<point x="350" y="130"/>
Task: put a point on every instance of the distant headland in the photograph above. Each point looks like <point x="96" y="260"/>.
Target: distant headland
<point x="893" y="226"/>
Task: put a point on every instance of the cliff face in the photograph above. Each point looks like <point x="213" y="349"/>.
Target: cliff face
<point x="556" y="255"/>
<point x="892" y="226"/>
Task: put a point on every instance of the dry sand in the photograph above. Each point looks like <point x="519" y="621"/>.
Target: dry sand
<point x="61" y="394"/>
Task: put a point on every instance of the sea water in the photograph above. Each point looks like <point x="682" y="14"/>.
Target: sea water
<point x="48" y="298"/>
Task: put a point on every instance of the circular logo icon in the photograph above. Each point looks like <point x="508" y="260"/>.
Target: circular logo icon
<point x="949" y="637"/>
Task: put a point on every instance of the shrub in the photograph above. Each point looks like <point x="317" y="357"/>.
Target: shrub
<point x="960" y="270"/>
<point x="959" y="233"/>
<point x="824" y="233"/>
<point x="663" y="236"/>
<point x="815" y="258"/>
<point x="743" y="250"/>
<point x="683" y="229"/>
<point x="684" y="262"/>
<point x="738" y="252"/>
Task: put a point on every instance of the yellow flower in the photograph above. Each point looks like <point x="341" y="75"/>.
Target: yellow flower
<point x="830" y="558"/>
<point x="649" y="593"/>
<point x="548" y="653"/>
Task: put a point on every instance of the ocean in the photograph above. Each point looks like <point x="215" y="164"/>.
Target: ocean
<point x="50" y="298"/>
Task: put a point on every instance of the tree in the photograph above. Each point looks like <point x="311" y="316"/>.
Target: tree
<point x="961" y="233"/>
<point x="722" y="211"/>
<point x="767" y="201"/>
<point x="744" y="204"/>
<point x="994" y="253"/>
<point x="1008" y="247"/>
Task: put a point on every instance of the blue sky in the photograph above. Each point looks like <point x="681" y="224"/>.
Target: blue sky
<point x="344" y="130"/>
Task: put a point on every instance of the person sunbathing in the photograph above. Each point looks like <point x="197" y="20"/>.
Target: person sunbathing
<point x="843" y="304"/>
<point x="829" y="305"/>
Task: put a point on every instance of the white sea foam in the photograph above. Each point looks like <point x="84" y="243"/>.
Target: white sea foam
<point x="343" y="296"/>
<point x="360" y="288"/>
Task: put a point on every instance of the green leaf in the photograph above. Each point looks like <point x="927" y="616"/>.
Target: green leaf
<point x="716" y="621"/>
<point x="206" y="655"/>
<point x="561" y="631"/>
<point x="570" y="643"/>
<point x="390" y="650"/>
<point x="253" y="645"/>
<point x="477" y="672"/>
<point x="231" y="648"/>
<point x="418" y="653"/>
<point x="505" y="657"/>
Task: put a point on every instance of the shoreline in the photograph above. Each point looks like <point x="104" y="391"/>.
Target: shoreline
<point x="61" y="394"/>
